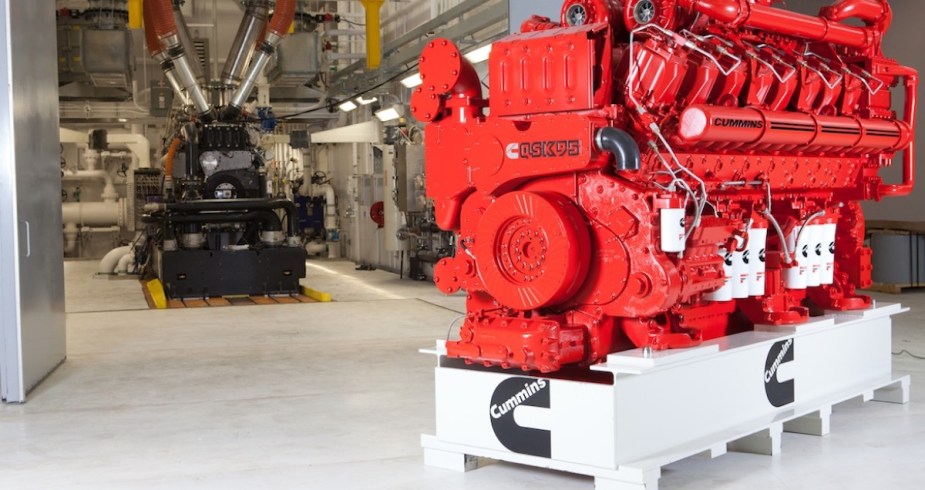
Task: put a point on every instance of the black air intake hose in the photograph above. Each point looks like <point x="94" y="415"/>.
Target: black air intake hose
<point x="621" y="145"/>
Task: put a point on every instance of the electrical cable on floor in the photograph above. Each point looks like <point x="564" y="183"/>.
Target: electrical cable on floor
<point x="914" y="356"/>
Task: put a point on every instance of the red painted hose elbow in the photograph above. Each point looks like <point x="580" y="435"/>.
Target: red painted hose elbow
<point x="908" y="184"/>
<point x="735" y="13"/>
<point x="444" y="71"/>
<point x="151" y="37"/>
<point x="162" y="18"/>
<point x="283" y="15"/>
<point x="873" y="12"/>
<point x="728" y="11"/>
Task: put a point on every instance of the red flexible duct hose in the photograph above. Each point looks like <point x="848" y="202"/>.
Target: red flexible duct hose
<point x="276" y="30"/>
<point x="162" y="17"/>
<point x="151" y="38"/>
<point x="283" y="15"/>
<point x="161" y="24"/>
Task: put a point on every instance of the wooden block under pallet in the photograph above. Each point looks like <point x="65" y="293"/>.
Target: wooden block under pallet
<point x="286" y="300"/>
<point x="218" y="301"/>
<point x="263" y="300"/>
<point x="195" y="303"/>
<point x="241" y="300"/>
<point x="232" y="301"/>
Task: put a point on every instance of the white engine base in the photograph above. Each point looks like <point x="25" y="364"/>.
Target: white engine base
<point x="641" y="412"/>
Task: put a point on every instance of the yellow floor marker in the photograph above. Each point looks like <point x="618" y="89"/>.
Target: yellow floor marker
<point x="156" y="289"/>
<point x="316" y="295"/>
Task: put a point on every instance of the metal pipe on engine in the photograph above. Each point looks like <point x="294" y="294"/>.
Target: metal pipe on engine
<point x="225" y="205"/>
<point x="156" y="50"/>
<point x="911" y="84"/>
<point x="751" y="127"/>
<point x="245" y="42"/>
<point x="192" y="149"/>
<point x="269" y="219"/>
<point x="276" y="30"/>
<point x="164" y="24"/>
<point x="735" y="13"/>
<point x="186" y="40"/>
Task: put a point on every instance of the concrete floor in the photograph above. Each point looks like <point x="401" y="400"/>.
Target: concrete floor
<point x="326" y="396"/>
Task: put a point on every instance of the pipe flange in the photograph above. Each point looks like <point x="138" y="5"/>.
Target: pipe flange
<point x="273" y="237"/>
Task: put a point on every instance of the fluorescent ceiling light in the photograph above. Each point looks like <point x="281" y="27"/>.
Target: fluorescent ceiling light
<point x="412" y="81"/>
<point x="363" y="101"/>
<point x="479" y="55"/>
<point x="347" y="106"/>
<point x="391" y="113"/>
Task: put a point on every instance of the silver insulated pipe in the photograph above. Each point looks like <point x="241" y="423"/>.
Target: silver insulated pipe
<point x="277" y="27"/>
<point x="165" y="46"/>
<point x="186" y="76"/>
<point x="264" y="52"/>
<point x="170" y="73"/>
<point x="186" y="40"/>
<point x="245" y="42"/>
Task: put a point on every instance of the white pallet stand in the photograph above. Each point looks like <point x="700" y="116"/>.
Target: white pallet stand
<point x="666" y="406"/>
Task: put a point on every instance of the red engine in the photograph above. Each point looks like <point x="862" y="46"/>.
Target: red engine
<point x="659" y="173"/>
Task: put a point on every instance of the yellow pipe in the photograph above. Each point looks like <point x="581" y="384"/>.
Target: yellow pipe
<point x="373" y="36"/>
<point x="134" y="14"/>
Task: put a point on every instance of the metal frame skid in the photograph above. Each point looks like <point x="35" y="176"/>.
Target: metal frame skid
<point x="660" y="173"/>
<point x="620" y="421"/>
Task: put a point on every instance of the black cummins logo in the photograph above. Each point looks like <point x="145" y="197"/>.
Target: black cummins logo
<point x="510" y="394"/>
<point x="779" y="393"/>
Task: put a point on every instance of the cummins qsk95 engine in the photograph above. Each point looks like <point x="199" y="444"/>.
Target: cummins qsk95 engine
<point x="655" y="173"/>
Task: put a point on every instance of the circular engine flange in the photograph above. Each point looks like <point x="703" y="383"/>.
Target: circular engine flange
<point x="644" y="11"/>
<point x="533" y="250"/>
<point x="663" y="13"/>
<point x="577" y="13"/>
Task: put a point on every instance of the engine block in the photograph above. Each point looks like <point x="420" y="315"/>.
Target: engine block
<point x="660" y="172"/>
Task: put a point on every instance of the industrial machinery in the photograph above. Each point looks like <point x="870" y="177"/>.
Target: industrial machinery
<point x="427" y="243"/>
<point x="218" y="230"/>
<point x="656" y="173"/>
<point x="95" y="47"/>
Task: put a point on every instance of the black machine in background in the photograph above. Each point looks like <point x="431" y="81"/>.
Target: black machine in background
<point x="218" y="233"/>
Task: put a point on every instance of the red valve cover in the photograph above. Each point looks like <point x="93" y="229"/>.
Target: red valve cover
<point x="660" y="172"/>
